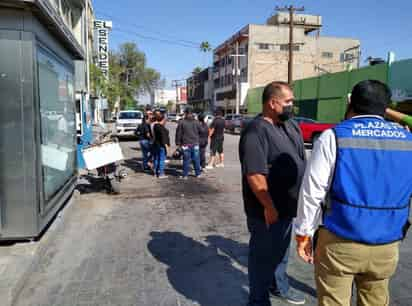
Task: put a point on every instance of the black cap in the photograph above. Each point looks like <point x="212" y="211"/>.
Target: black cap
<point x="188" y="110"/>
<point x="370" y="97"/>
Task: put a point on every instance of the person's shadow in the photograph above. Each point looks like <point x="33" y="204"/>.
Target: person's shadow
<point x="198" y="271"/>
<point x="239" y="253"/>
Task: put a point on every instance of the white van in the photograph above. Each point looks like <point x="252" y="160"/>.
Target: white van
<point x="127" y="122"/>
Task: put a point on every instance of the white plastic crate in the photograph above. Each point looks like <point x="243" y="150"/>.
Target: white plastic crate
<point x="99" y="155"/>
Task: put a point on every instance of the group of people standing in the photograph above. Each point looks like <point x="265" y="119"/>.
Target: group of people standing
<point x="191" y="139"/>
<point x="351" y="199"/>
<point x="154" y="142"/>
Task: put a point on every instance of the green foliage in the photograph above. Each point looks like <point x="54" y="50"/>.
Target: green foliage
<point x="197" y="70"/>
<point x="170" y="106"/>
<point x="128" y="77"/>
<point x="205" y="46"/>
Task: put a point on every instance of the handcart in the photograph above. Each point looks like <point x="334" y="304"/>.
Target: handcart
<point x="104" y="156"/>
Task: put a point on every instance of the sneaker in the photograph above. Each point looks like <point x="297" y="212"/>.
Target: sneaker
<point x="290" y="297"/>
<point x="221" y="165"/>
<point x="201" y="175"/>
<point x="209" y="167"/>
<point x="183" y="177"/>
<point x="162" y="176"/>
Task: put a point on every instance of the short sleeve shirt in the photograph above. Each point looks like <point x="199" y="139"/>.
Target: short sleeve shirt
<point x="277" y="152"/>
<point x="218" y="124"/>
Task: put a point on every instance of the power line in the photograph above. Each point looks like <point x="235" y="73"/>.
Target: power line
<point x="171" y="42"/>
<point x="174" y="38"/>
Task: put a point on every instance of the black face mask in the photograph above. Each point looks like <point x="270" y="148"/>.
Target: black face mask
<point x="287" y="113"/>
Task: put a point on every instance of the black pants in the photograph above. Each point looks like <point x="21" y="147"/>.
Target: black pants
<point x="203" y="156"/>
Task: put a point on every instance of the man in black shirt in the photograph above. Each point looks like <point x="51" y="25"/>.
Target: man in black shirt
<point x="272" y="156"/>
<point x="144" y="134"/>
<point x="161" y="145"/>
<point x="187" y="137"/>
<point x="217" y="132"/>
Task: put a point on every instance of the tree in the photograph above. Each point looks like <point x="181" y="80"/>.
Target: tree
<point x="171" y="106"/>
<point x="98" y="83"/>
<point x="128" y="76"/>
<point x="205" y="46"/>
<point x="197" y="70"/>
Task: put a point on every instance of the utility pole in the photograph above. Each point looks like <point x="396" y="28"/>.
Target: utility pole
<point x="176" y="83"/>
<point x="236" y="75"/>
<point x="237" y="78"/>
<point x="291" y="9"/>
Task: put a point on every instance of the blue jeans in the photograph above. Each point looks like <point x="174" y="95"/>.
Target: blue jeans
<point x="268" y="259"/>
<point x="145" y="146"/>
<point x="191" y="153"/>
<point x="159" y="160"/>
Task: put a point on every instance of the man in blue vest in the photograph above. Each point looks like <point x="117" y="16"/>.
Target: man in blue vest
<point x="358" y="186"/>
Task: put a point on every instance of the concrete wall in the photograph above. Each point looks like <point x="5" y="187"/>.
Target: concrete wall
<point x="272" y="64"/>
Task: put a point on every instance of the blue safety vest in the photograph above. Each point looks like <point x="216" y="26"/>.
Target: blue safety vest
<point x="372" y="185"/>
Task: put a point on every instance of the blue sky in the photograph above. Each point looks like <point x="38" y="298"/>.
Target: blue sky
<point x="381" y="26"/>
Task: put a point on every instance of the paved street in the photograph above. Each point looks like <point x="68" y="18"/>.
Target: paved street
<point x="163" y="243"/>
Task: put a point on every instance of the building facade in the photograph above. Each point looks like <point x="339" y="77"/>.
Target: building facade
<point x="261" y="52"/>
<point x="162" y="97"/>
<point x="40" y="42"/>
<point x="200" y="91"/>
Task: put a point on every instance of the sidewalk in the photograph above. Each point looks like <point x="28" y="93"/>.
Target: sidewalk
<point x="18" y="260"/>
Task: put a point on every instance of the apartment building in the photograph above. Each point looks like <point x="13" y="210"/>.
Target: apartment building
<point x="162" y="97"/>
<point x="262" y="54"/>
<point x="200" y="90"/>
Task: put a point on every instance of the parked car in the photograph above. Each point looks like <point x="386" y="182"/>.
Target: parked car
<point x="127" y="123"/>
<point x="311" y="129"/>
<point x="172" y="117"/>
<point x="232" y="123"/>
<point x="179" y="116"/>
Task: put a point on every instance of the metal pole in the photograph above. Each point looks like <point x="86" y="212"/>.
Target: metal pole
<point x="87" y="46"/>
<point x="290" y="65"/>
<point x="176" y="84"/>
<point x="291" y="9"/>
<point x="237" y="79"/>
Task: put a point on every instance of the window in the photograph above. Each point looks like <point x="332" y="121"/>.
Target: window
<point x="285" y="47"/>
<point x="57" y="119"/>
<point x="346" y="57"/>
<point x="243" y="75"/>
<point x="243" y="50"/>
<point x="327" y="54"/>
<point x="65" y="10"/>
<point x="130" y="115"/>
<point x="265" y="46"/>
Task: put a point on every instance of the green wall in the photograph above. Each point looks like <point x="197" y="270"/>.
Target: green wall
<point x="323" y="98"/>
<point x="254" y="100"/>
